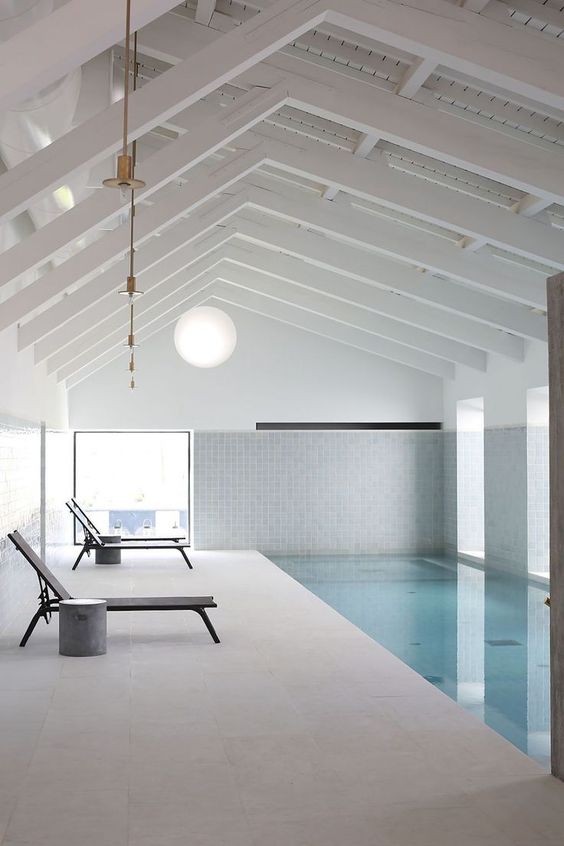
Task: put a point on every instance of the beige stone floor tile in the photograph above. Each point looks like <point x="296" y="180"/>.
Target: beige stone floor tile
<point x="160" y="821"/>
<point x="53" y="818"/>
<point x="8" y="800"/>
<point x="330" y="830"/>
<point x="169" y="742"/>
<point x="298" y="730"/>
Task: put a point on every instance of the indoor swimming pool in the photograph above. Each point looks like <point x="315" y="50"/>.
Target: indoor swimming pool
<point x="480" y="637"/>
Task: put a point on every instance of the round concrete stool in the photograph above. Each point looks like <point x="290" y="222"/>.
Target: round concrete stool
<point x="105" y="555"/>
<point x="82" y="627"/>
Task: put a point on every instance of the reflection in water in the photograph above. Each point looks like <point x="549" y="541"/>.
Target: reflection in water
<point x="480" y="637"/>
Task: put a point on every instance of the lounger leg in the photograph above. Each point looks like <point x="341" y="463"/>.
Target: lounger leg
<point x="77" y="562"/>
<point x="32" y="625"/>
<point x="182" y="552"/>
<point x="208" y="623"/>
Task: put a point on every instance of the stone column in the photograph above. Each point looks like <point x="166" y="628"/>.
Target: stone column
<point x="555" y="292"/>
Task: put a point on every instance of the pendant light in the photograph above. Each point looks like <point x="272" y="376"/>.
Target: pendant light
<point x="126" y="180"/>
<point x="205" y="336"/>
<point x="130" y="290"/>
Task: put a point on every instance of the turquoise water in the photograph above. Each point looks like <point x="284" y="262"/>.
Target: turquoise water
<point x="480" y="637"/>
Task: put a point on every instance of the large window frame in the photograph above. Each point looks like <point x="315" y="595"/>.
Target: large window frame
<point x="190" y="438"/>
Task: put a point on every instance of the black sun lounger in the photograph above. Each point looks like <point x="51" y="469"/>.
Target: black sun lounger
<point x="92" y="539"/>
<point x="51" y="591"/>
<point x="126" y="539"/>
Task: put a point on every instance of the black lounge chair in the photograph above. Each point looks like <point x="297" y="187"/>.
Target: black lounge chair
<point x="93" y="540"/>
<point x="129" y="537"/>
<point x="51" y="592"/>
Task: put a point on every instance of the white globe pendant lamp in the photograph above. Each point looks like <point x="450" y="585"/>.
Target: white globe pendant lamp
<point x="205" y="336"/>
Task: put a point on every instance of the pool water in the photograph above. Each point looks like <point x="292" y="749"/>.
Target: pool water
<point x="480" y="637"/>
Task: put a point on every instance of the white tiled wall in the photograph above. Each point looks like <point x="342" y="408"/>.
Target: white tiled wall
<point x="505" y="485"/>
<point x="20" y="464"/>
<point x="538" y="498"/>
<point x="379" y="491"/>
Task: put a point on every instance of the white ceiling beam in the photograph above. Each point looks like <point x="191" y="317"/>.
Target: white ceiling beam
<point x="374" y="180"/>
<point x="405" y="243"/>
<point x="347" y="308"/>
<point x="530" y="205"/>
<point x="190" y="149"/>
<point x="421" y="128"/>
<point x="221" y="292"/>
<point x="332" y="328"/>
<point x="92" y="325"/>
<point x="415" y="76"/>
<point x="358" y="264"/>
<point x="87" y="263"/>
<point x="204" y="11"/>
<point x="481" y="271"/>
<point x="437" y="292"/>
<point x="337" y="332"/>
<point x="363" y="149"/>
<point x="357" y="318"/>
<point x="462" y="41"/>
<point x="177" y="157"/>
<point x="53" y="46"/>
<point x="476" y="46"/>
<point x="457" y="39"/>
<point x="375" y="319"/>
<point x="512" y="317"/>
<point x="433" y="133"/>
<point x="440" y="293"/>
<point x="97" y="339"/>
<point x="112" y="346"/>
<point x="420" y="312"/>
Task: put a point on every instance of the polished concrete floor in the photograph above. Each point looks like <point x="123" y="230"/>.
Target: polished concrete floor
<point x="298" y="730"/>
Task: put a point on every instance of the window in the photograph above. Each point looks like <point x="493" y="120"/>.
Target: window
<point x="134" y="483"/>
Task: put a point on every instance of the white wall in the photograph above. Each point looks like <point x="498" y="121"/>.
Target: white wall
<point x="277" y="373"/>
<point x="504" y="387"/>
<point x="25" y="389"/>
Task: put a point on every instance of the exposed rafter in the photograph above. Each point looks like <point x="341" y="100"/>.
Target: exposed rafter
<point x="438" y="126"/>
<point x="483" y="49"/>
<point x="337" y="330"/>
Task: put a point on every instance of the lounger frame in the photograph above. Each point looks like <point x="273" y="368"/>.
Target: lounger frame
<point x="93" y="541"/>
<point x="51" y="592"/>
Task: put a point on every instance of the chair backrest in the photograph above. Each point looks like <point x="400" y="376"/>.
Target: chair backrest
<point x="79" y="507"/>
<point x="89" y="531"/>
<point x="39" y="566"/>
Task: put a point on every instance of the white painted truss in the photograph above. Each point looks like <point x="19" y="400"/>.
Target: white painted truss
<point x="387" y="174"/>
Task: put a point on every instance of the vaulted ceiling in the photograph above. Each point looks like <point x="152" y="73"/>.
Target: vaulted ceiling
<point x="387" y="174"/>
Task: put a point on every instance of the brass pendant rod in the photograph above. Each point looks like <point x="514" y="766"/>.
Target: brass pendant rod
<point x="133" y="158"/>
<point x="131" y="226"/>
<point x="127" y="61"/>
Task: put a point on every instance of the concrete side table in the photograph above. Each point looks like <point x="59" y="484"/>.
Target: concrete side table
<point x="107" y="555"/>
<point x="82" y="627"/>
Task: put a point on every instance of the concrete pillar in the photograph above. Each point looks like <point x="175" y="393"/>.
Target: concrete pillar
<point x="555" y="292"/>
